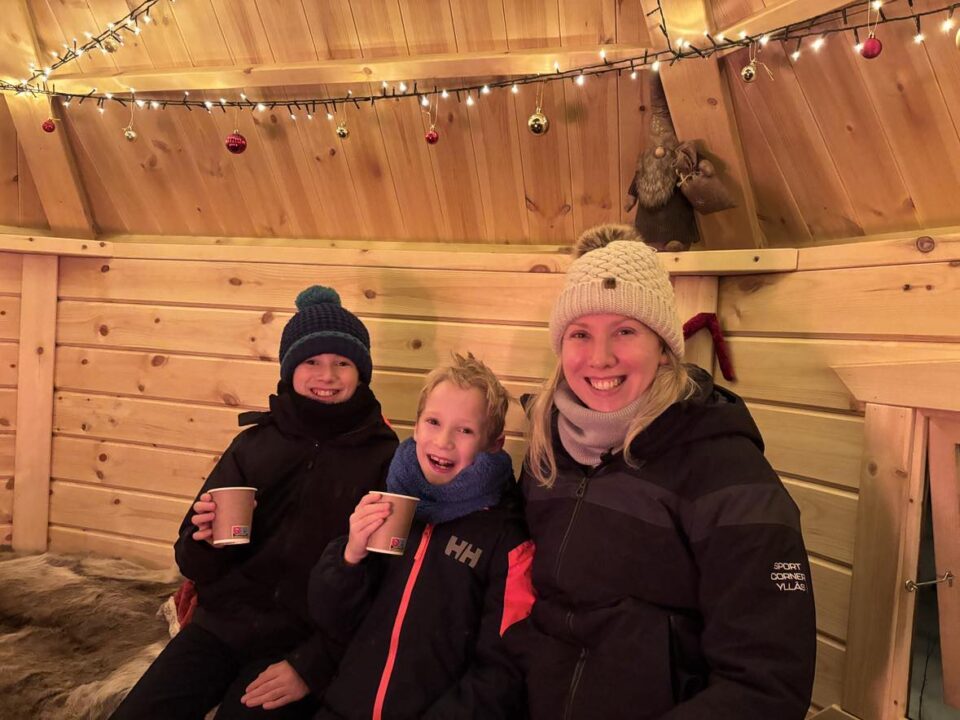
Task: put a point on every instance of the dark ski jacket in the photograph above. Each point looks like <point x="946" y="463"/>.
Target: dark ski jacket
<point x="254" y="597"/>
<point x="678" y="589"/>
<point x="422" y="632"/>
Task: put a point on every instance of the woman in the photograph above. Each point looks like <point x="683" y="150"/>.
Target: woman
<point x="671" y="575"/>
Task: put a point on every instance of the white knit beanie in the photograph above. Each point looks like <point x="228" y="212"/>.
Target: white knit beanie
<point x="615" y="272"/>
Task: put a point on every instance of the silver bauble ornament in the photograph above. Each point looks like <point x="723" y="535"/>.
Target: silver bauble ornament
<point x="538" y="123"/>
<point x="130" y="134"/>
<point x="342" y="131"/>
<point x="749" y="72"/>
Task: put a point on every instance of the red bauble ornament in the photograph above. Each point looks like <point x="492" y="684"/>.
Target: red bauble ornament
<point x="871" y="47"/>
<point x="432" y="136"/>
<point x="48" y="125"/>
<point x="236" y="143"/>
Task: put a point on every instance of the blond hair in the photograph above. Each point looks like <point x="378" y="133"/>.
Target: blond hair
<point x="671" y="384"/>
<point x="466" y="373"/>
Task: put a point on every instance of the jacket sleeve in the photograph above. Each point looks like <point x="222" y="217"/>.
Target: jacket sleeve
<point x="338" y="596"/>
<point x="759" y="629"/>
<point x="492" y="686"/>
<point x="199" y="560"/>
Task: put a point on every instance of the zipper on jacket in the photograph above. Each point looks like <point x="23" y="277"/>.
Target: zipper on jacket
<point x="574" y="682"/>
<point x="581" y="491"/>
<point x="398" y="622"/>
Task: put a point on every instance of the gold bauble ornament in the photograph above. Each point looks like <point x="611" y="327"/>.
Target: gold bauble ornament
<point x="129" y="133"/>
<point x="110" y="45"/>
<point x="749" y="72"/>
<point x="538" y="123"/>
<point x="342" y="131"/>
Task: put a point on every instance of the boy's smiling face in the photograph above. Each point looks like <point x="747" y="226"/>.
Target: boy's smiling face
<point x="328" y="378"/>
<point x="450" y="431"/>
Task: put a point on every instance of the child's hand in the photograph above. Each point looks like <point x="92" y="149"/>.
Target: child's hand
<point x="367" y="517"/>
<point x="205" y="510"/>
<point x="275" y="687"/>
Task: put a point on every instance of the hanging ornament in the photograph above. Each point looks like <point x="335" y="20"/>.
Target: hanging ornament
<point x="235" y="142"/>
<point x="750" y="71"/>
<point x="538" y="123"/>
<point x="432" y="136"/>
<point x="342" y="131"/>
<point x="871" y="47"/>
<point x="48" y="125"/>
<point x="110" y="45"/>
<point x="128" y="132"/>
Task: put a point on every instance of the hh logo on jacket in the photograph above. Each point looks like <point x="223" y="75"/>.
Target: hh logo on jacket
<point x="463" y="551"/>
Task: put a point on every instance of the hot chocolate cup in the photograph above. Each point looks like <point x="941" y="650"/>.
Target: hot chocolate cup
<point x="233" y="516"/>
<point x="391" y="537"/>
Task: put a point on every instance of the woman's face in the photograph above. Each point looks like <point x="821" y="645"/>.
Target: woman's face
<point x="328" y="378"/>
<point x="610" y="360"/>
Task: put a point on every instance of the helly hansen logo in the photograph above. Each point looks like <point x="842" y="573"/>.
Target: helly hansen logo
<point x="463" y="551"/>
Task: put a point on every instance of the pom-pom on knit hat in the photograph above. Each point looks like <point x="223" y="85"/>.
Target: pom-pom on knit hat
<point x="615" y="272"/>
<point x="323" y="325"/>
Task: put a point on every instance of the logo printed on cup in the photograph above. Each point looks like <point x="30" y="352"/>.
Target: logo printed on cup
<point x="398" y="543"/>
<point x="240" y="531"/>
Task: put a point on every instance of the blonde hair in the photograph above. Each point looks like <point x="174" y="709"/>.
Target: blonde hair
<point x="466" y="373"/>
<point x="671" y="384"/>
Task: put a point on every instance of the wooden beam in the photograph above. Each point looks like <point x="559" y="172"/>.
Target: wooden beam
<point x="31" y="479"/>
<point x="352" y="70"/>
<point x="467" y="256"/>
<point x="48" y="154"/>
<point x="926" y="384"/>
<point x="701" y="110"/>
<point x="917" y="246"/>
<point x="834" y="712"/>
<point x="889" y="506"/>
<point x="779" y="15"/>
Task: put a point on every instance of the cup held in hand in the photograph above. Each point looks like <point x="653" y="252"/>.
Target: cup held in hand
<point x="234" y="514"/>
<point x="391" y="537"/>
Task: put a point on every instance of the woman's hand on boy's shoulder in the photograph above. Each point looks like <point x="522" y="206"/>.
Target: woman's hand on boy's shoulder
<point x="369" y="514"/>
<point x="205" y="510"/>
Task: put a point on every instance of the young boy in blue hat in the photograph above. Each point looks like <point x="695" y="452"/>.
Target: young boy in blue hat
<point x="420" y="634"/>
<point x="321" y="447"/>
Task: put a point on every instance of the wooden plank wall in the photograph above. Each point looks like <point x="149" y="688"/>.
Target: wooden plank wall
<point x="155" y="359"/>
<point x="785" y="332"/>
<point x="10" y="282"/>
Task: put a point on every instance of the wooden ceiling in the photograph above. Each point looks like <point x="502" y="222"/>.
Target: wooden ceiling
<point x="833" y="148"/>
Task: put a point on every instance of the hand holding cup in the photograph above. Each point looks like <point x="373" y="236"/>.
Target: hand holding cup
<point x="369" y="514"/>
<point x="205" y="511"/>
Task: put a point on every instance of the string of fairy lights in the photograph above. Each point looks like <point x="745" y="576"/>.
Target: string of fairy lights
<point x="865" y="16"/>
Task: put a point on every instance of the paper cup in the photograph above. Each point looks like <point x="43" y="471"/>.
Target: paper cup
<point x="234" y="514"/>
<point x="391" y="537"/>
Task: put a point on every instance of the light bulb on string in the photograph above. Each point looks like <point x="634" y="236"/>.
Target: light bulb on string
<point x="795" y="55"/>
<point x="425" y="101"/>
<point x="633" y="74"/>
<point x="919" y="38"/>
<point x="485" y="89"/>
<point x="444" y="94"/>
<point x="656" y="66"/>
<point x="402" y="87"/>
<point x="579" y="79"/>
<point x="514" y="88"/>
<point x="261" y="107"/>
<point x="818" y="43"/>
<point x="470" y="101"/>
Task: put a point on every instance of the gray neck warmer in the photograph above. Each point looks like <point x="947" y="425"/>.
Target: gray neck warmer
<point x="587" y="434"/>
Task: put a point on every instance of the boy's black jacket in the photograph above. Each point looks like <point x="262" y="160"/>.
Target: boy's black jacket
<point x="450" y="662"/>
<point x="678" y="589"/>
<point x="255" y="596"/>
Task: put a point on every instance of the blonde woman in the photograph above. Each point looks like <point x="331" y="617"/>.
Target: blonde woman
<point x="671" y="576"/>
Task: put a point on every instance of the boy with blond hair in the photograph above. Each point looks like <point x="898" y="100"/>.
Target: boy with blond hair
<point x="419" y="635"/>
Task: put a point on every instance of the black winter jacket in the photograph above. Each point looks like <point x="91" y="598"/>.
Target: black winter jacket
<point x="424" y="629"/>
<point x="254" y="597"/>
<point x="679" y="589"/>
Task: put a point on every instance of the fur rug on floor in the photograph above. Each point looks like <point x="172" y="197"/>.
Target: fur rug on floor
<point x="77" y="633"/>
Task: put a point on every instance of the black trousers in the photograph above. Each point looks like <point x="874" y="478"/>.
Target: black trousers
<point x="196" y="671"/>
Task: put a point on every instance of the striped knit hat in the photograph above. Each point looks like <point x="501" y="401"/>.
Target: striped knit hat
<point x="323" y="325"/>
<point x="615" y="272"/>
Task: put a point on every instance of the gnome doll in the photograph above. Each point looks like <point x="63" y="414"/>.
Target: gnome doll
<point x="664" y="217"/>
